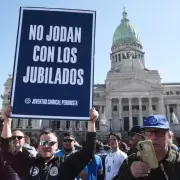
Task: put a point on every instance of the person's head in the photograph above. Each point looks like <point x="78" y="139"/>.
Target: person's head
<point x="34" y="142"/>
<point x="99" y="145"/>
<point x="114" y="140"/>
<point x="27" y="139"/>
<point x="156" y="128"/>
<point x="123" y="147"/>
<point x="135" y="135"/>
<point x="48" y="144"/>
<point x="18" y="139"/>
<point x="178" y="141"/>
<point x="68" y="141"/>
<point x="171" y="137"/>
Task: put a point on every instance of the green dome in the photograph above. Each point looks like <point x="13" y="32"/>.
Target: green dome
<point x="125" y="32"/>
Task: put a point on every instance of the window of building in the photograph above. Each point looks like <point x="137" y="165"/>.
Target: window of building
<point x="102" y="109"/>
<point x="77" y="124"/>
<point x="135" y="121"/>
<point x="154" y="107"/>
<point x="86" y="124"/>
<point x="143" y="107"/>
<point x="58" y="124"/>
<point x="67" y="124"/>
<point x="167" y="93"/>
<point x="177" y="92"/>
<point x="125" y="108"/>
<point x="171" y="109"/>
<point x="135" y="107"/>
<point x="126" y="123"/>
<point x="97" y="95"/>
<point x="114" y="108"/>
<point x="171" y="93"/>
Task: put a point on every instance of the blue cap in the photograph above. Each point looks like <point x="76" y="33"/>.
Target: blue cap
<point x="156" y="121"/>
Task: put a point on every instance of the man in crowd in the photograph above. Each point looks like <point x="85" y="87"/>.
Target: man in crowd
<point x="6" y="172"/>
<point x="136" y="135"/>
<point x="115" y="158"/>
<point x="69" y="142"/>
<point x="47" y="167"/>
<point x="100" y="151"/>
<point x="28" y="147"/>
<point x="95" y="167"/>
<point x="178" y="142"/>
<point x="156" y="128"/>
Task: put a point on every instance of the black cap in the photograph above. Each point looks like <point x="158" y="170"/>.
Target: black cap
<point x="135" y="130"/>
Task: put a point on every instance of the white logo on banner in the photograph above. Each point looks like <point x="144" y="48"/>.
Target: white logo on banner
<point x="27" y="101"/>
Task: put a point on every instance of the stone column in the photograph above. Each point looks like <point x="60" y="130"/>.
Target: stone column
<point x="110" y="108"/>
<point x="168" y="113"/>
<point x="120" y="108"/>
<point x="140" y="112"/>
<point x="150" y="106"/>
<point x="120" y="114"/>
<point x="161" y="105"/>
<point x="178" y="110"/>
<point x="130" y="113"/>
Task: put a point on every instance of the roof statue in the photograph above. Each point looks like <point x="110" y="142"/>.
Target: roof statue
<point x="174" y="118"/>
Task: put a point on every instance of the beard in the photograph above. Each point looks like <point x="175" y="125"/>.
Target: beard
<point x="67" y="151"/>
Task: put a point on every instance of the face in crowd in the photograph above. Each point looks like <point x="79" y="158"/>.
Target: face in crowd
<point x="159" y="137"/>
<point x="114" y="140"/>
<point x="68" y="143"/>
<point x="18" y="139"/>
<point x="134" y="139"/>
<point x="48" y="145"/>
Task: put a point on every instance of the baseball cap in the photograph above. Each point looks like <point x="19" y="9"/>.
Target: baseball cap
<point x="135" y="130"/>
<point x="156" y="121"/>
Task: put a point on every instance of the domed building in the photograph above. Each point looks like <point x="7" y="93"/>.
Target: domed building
<point x="131" y="91"/>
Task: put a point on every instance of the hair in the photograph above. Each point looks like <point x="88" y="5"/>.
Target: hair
<point x="116" y="134"/>
<point x="47" y="132"/>
<point x="99" y="145"/>
<point x="70" y="134"/>
<point x="18" y="131"/>
<point x="34" y="142"/>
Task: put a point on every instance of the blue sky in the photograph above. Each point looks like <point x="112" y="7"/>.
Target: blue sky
<point x="157" y="23"/>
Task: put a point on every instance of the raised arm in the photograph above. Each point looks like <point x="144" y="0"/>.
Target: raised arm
<point x="77" y="161"/>
<point x="6" y="132"/>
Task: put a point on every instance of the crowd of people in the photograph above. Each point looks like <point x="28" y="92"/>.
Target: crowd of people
<point x="41" y="158"/>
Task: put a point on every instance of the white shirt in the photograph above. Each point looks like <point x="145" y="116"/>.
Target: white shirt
<point x="113" y="162"/>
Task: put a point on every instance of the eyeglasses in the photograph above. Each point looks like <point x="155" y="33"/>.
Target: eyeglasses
<point x="48" y="143"/>
<point x="68" y="140"/>
<point x="17" y="137"/>
<point x="157" y="133"/>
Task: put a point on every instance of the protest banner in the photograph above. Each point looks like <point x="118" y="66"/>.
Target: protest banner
<point x="54" y="64"/>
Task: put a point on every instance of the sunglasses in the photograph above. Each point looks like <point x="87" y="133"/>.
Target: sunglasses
<point x="68" y="140"/>
<point x="47" y="143"/>
<point x="17" y="137"/>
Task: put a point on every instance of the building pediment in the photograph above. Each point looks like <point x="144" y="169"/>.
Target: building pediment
<point x="134" y="85"/>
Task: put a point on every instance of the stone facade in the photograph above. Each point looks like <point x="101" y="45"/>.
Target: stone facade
<point x="131" y="93"/>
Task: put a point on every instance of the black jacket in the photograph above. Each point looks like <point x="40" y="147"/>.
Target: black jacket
<point x="29" y="168"/>
<point x="169" y="168"/>
<point x="6" y="172"/>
